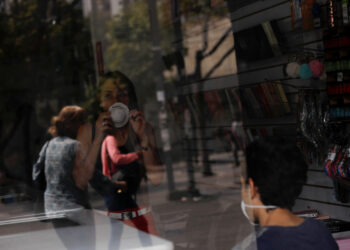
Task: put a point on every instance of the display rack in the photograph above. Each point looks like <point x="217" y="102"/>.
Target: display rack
<point x="318" y="192"/>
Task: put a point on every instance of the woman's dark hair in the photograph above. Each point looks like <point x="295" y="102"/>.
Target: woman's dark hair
<point x="67" y="122"/>
<point x="119" y="76"/>
<point x="278" y="169"/>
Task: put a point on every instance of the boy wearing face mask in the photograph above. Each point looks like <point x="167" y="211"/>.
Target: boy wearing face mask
<point x="271" y="181"/>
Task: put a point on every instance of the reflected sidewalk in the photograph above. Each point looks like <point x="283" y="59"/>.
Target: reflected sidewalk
<point x="212" y="221"/>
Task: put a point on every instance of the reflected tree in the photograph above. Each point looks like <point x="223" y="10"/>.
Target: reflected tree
<point x="129" y="47"/>
<point x="198" y="12"/>
<point x="46" y="62"/>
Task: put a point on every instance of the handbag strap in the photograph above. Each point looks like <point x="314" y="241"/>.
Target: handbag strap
<point x="46" y="145"/>
<point x="109" y="162"/>
<point x="93" y="131"/>
<point x="39" y="166"/>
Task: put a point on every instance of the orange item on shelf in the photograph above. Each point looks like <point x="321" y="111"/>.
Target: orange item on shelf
<point x="306" y="12"/>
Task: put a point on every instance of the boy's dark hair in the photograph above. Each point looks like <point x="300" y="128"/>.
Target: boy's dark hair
<point x="278" y="169"/>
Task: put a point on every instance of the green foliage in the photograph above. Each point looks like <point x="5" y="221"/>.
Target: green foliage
<point x="92" y="103"/>
<point x="129" y="47"/>
<point x="44" y="53"/>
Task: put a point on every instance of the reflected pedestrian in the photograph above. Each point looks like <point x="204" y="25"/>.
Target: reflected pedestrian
<point x="68" y="167"/>
<point x="67" y="171"/>
<point x="129" y="154"/>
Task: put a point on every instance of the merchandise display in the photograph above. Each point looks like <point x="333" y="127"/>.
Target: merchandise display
<point x="337" y="47"/>
<point x="172" y="96"/>
<point x="316" y="67"/>
<point x="305" y="72"/>
<point x="293" y="69"/>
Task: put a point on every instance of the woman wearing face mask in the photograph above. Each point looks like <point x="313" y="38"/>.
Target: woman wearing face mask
<point x="129" y="154"/>
<point x="271" y="181"/>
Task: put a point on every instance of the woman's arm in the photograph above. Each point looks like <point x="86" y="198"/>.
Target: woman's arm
<point x="83" y="170"/>
<point x="151" y="156"/>
<point x="114" y="153"/>
<point x="87" y="151"/>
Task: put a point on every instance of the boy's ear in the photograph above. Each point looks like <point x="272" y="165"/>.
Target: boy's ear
<point x="253" y="189"/>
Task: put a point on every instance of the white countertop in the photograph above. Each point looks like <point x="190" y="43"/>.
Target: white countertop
<point x="85" y="229"/>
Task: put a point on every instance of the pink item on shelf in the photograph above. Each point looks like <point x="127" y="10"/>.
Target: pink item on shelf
<point x="317" y="67"/>
<point x="329" y="162"/>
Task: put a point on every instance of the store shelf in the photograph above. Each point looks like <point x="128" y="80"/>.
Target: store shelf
<point x="289" y="120"/>
<point x="261" y="11"/>
<point x="343" y="182"/>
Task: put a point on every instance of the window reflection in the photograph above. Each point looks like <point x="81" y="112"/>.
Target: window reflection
<point x="172" y="169"/>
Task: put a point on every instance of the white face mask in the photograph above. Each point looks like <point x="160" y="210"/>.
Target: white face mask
<point x="244" y="211"/>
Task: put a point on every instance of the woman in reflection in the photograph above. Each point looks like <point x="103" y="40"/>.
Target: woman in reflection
<point x="67" y="170"/>
<point x="129" y="154"/>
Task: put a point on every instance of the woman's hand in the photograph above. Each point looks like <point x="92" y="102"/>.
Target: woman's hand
<point x="138" y="123"/>
<point x="139" y="154"/>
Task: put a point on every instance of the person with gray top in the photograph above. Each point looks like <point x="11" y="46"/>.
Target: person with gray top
<point x="68" y="168"/>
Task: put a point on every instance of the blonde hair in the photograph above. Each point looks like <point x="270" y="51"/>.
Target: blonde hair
<point x="67" y="122"/>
